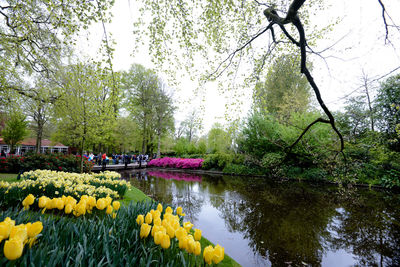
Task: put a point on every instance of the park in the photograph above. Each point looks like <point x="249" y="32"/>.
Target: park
<point x="199" y="133"/>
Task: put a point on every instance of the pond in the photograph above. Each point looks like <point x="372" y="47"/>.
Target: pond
<point x="262" y="222"/>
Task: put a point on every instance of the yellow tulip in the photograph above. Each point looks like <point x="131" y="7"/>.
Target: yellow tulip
<point x="81" y="209"/>
<point x="187" y="226"/>
<point x="197" y="234"/>
<point x="109" y="209"/>
<point x="197" y="248"/>
<point x="180" y="233"/>
<point x="165" y="241"/>
<point x="68" y="208"/>
<point x="13" y="248"/>
<point x="156" y="214"/>
<point x="157" y="221"/>
<point x="59" y="203"/>
<point x="154" y="229"/>
<point x="144" y="230"/>
<point x="208" y="254"/>
<point x="218" y="254"/>
<point x="140" y="219"/>
<point x="108" y="200"/>
<point x="183" y="242"/>
<point x="9" y="222"/>
<point x="42" y="201"/>
<point x="170" y="231"/>
<point x="91" y="201"/>
<point x="114" y="215"/>
<point x="158" y="237"/>
<point x="19" y="232"/>
<point x="101" y="204"/>
<point x="159" y="207"/>
<point x="149" y="218"/>
<point x="5" y="229"/>
<point x="34" y="229"/>
<point x="116" y="205"/>
<point x="168" y="210"/>
<point x="190" y="244"/>
<point x="29" y="199"/>
<point x="179" y="211"/>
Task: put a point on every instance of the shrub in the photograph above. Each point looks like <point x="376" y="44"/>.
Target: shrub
<point x="56" y="162"/>
<point x="179" y="163"/>
<point x="219" y="161"/>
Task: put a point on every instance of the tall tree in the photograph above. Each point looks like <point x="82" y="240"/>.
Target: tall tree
<point x="218" y="140"/>
<point x="34" y="34"/>
<point x="140" y="85"/>
<point x="163" y="114"/>
<point x="285" y="90"/>
<point x="15" y="130"/>
<point x="85" y="110"/>
<point x="192" y="124"/>
<point x="388" y="108"/>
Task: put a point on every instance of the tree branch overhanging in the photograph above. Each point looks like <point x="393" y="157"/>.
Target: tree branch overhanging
<point x="293" y="18"/>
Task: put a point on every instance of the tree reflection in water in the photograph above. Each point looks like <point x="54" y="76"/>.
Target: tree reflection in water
<point x="290" y="223"/>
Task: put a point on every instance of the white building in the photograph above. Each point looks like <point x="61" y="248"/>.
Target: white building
<point x="30" y="145"/>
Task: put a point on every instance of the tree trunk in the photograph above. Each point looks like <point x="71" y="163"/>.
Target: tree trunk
<point x="159" y="146"/>
<point x="39" y="137"/>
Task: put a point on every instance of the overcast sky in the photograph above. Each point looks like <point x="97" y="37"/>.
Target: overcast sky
<point x="360" y="46"/>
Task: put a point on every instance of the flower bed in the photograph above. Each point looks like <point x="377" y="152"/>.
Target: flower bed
<point x="179" y="163"/>
<point x="56" y="162"/>
<point x="107" y="241"/>
<point x="170" y="233"/>
<point x="56" y="184"/>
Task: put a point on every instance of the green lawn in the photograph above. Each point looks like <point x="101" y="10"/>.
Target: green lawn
<point x="135" y="195"/>
<point x="9" y="177"/>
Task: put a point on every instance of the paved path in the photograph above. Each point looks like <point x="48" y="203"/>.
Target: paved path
<point x="119" y="166"/>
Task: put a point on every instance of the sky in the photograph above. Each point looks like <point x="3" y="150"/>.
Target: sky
<point x="358" y="45"/>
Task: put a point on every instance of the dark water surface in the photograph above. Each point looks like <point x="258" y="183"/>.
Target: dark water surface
<point x="264" y="223"/>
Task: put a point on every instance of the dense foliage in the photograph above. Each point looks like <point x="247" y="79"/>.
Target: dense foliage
<point x="56" y="162"/>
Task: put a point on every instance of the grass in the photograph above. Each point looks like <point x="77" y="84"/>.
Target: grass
<point x="135" y="195"/>
<point x="226" y="262"/>
<point x="9" y="177"/>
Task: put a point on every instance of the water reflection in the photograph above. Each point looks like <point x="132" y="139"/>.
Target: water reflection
<point x="188" y="177"/>
<point x="263" y="223"/>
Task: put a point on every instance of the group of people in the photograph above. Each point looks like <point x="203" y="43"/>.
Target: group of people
<point x="102" y="159"/>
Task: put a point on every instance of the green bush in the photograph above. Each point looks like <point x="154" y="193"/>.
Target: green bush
<point x="391" y="179"/>
<point x="272" y="160"/>
<point x="219" y="161"/>
<point x="56" y="162"/>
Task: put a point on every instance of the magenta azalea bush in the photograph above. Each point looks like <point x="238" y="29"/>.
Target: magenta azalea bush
<point x="188" y="177"/>
<point x="176" y="163"/>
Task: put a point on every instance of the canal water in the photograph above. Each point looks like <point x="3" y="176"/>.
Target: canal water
<point x="265" y="223"/>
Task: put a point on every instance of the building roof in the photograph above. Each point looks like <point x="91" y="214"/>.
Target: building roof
<point x="32" y="142"/>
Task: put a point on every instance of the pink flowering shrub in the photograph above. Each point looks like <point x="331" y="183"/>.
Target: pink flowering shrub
<point x="176" y="163"/>
<point x="188" y="177"/>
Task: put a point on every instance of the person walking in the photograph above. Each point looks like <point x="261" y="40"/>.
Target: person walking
<point x="104" y="159"/>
